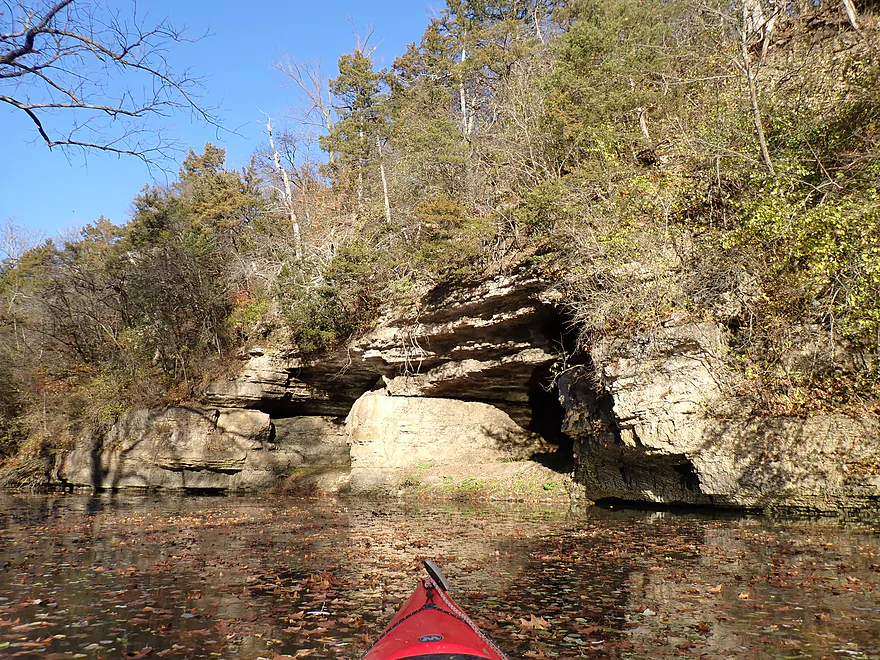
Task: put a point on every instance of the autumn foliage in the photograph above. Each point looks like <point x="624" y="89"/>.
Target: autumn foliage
<point x="661" y="160"/>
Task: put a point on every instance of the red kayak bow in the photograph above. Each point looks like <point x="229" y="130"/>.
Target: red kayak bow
<point x="430" y="626"/>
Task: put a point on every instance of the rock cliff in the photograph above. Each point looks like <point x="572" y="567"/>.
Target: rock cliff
<point x="452" y="384"/>
<point x="654" y="421"/>
<point x="465" y="380"/>
<point x="201" y="449"/>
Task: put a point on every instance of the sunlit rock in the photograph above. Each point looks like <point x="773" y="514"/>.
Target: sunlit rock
<point x="654" y="420"/>
<point x="265" y="376"/>
<point x="390" y="432"/>
<point x="201" y="449"/>
<point x="493" y="341"/>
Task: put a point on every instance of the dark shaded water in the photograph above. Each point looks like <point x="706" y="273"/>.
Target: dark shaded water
<point x="116" y="577"/>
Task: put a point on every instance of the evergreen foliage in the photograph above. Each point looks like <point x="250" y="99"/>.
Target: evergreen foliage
<point x="663" y="159"/>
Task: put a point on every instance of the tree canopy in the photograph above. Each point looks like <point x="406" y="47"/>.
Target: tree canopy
<point x="661" y="160"/>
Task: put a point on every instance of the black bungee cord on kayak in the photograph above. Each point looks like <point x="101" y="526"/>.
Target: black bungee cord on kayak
<point x="437" y="582"/>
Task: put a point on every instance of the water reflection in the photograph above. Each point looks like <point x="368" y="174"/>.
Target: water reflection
<point x="264" y="577"/>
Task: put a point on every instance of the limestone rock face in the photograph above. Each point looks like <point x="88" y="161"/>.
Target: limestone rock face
<point x="273" y="381"/>
<point x="313" y="441"/>
<point x="391" y="432"/>
<point x="197" y="448"/>
<point x="821" y="463"/>
<point x="664" y="386"/>
<point x="264" y="376"/>
<point x="268" y="381"/>
<point x="491" y="342"/>
<point x="652" y="423"/>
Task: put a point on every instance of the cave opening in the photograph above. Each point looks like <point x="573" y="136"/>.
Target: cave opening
<point x="335" y="403"/>
<point x="547" y="412"/>
<point x="690" y="480"/>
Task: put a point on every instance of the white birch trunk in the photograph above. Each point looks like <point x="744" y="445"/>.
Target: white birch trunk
<point x="288" y="192"/>
<point x="384" y="183"/>
<point x="463" y="100"/>
<point x="852" y="14"/>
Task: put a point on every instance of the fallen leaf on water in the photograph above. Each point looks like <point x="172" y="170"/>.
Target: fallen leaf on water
<point x="534" y="623"/>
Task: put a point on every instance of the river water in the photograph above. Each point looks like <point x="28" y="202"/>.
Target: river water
<point x="268" y="577"/>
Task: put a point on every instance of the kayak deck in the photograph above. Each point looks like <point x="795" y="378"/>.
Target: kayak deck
<point x="431" y="626"/>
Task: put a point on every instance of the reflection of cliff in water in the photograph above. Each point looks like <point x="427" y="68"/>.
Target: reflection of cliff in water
<point x="805" y="589"/>
<point x="260" y="577"/>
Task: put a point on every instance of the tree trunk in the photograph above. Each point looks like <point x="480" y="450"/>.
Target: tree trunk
<point x="465" y="128"/>
<point x="852" y="14"/>
<point x="384" y="183"/>
<point x="288" y="192"/>
<point x="749" y="72"/>
<point x="360" y="179"/>
<point x="643" y="126"/>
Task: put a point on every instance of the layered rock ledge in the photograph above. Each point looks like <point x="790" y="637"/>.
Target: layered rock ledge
<point x="214" y="449"/>
<point x="464" y="387"/>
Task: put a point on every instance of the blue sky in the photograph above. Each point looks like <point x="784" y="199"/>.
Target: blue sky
<point x="48" y="192"/>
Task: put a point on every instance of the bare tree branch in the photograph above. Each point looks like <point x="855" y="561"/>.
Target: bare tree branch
<point x="852" y="14"/>
<point x="306" y="76"/>
<point x="92" y="78"/>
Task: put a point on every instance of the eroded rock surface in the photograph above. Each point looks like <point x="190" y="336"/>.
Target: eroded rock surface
<point x="200" y="449"/>
<point x="653" y="421"/>
<point x="394" y="431"/>
<point x="391" y="433"/>
<point x="265" y="376"/>
<point x="459" y="380"/>
<point x="492" y="342"/>
<point x="313" y="441"/>
<point x="274" y="381"/>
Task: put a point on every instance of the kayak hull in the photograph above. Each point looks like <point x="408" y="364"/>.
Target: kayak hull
<point x="431" y="626"/>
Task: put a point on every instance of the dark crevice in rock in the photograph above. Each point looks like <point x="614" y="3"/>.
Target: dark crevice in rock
<point x="332" y="404"/>
<point x="588" y="407"/>
<point x="690" y="480"/>
<point x="635" y="437"/>
<point x="547" y="411"/>
<point x="711" y="510"/>
<point x="561" y="460"/>
<point x="632" y="475"/>
<point x="547" y="415"/>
